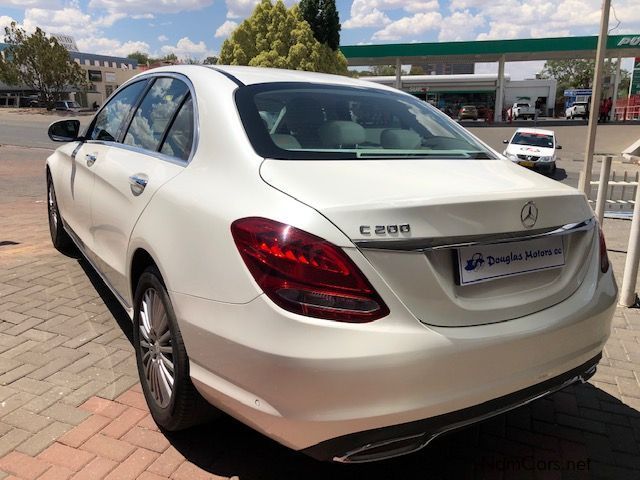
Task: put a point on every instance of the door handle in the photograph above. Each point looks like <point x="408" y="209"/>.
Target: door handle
<point x="91" y="158"/>
<point x="138" y="183"/>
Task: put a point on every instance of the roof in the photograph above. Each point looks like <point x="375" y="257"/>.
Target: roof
<point x="92" y="56"/>
<point x="491" y="50"/>
<point x="254" y="75"/>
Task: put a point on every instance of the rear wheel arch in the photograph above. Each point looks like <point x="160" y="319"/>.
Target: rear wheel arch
<point x="140" y="261"/>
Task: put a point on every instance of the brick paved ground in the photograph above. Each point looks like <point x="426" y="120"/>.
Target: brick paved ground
<point x="71" y="407"/>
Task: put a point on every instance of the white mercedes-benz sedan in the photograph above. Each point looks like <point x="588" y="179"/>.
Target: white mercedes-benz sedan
<point x="333" y="262"/>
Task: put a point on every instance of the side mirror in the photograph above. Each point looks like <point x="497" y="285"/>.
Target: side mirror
<point x="505" y="141"/>
<point x="558" y="147"/>
<point x="64" y="130"/>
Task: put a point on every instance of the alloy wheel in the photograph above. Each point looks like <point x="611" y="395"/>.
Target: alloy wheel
<point x="156" y="348"/>
<point x="53" y="207"/>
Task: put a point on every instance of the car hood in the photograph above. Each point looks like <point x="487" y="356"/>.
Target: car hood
<point x="530" y="150"/>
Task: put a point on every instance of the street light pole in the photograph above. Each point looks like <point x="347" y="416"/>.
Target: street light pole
<point x="585" y="178"/>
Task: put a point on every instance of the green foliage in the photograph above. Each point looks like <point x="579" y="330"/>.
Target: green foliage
<point x="324" y="20"/>
<point x="40" y="63"/>
<point x="385" y="70"/>
<point x="210" y="61"/>
<point x="274" y="36"/>
<point x="141" y="57"/>
<point x="416" y="70"/>
<point x="169" y="58"/>
<point x="579" y="74"/>
<point x="574" y="73"/>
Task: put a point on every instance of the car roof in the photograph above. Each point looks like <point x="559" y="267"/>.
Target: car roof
<point x="536" y="130"/>
<point x="256" y="75"/>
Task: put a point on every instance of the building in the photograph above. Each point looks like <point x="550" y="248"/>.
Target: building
<point x="104" y="74"/>
<point x="498" y="51"/>
<point x="450" y="92"/>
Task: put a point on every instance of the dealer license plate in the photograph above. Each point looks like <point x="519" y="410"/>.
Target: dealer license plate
<point x="482" y="263"/>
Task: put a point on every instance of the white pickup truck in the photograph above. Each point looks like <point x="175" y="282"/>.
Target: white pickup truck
<point x="578" y="109"/>
<point x="522" y="110"/>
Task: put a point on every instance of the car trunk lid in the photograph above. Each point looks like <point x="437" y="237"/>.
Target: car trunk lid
<point x="413" y="218"/>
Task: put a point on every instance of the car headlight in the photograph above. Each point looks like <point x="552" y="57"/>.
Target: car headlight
<point x="545" y="159"/>
<point x="510" y="156"/>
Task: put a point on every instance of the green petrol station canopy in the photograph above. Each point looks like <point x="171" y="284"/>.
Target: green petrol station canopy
<point x="520" y="50"/>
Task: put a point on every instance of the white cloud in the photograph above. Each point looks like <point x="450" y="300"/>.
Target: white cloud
<point x="244" y="8"/>
<point x="409" y="27"/>
<point x="226" y="29"/>
<point x="240" y="8"/>
<point x="69" y="21"/>
<point x="111" y="46"/>
<point x="163" y="38"/>
<point x="149" y="6"/>
<point x="373" y="18"/>
<point x="5" y="21"/>
<point x="30" y="3"/>
<point x="186" y="48"/>
<point x="460" y="26"/>
<point x="370" y="13"/>
<point x="503" y="30"/>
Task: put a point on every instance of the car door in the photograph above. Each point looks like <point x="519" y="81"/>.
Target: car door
<point x="102" y="131"/>
<point x="133" y="170"/>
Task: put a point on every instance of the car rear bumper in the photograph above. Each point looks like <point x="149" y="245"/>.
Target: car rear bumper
<point x="396" y="440"/>
<point x="304" y="382"/>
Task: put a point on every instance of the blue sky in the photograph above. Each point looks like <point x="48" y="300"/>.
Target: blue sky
<point x="197" y="28"/>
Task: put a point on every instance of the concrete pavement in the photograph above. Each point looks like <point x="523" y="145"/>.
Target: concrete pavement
<point x="70" y="402"/>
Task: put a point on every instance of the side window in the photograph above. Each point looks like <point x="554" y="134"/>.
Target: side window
<point x="179" y="140"/>
<point x="155" y="112"/>
<point x="111" y="118"/>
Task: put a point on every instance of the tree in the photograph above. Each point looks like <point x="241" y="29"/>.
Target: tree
<point x="324" y="20"/>
<point x="274" y="36"/>
<point x="210" y="60"/>
<point x="574" y="73"/>
<point x="141" y="57"/>
<point x="170" y="58"/>
<point x="41" y="63"/>
<point x="579" y="74"/>
<point x="416" y="70"/>
<point x="385" y="70"/>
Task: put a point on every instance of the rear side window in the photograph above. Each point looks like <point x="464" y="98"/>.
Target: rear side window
<point x="112" y="117"/>
<point x="155" y="112"/>
<point x="179" y="140"/>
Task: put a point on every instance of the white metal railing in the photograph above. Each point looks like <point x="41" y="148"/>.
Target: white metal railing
<point x="606" y="187"/>
<point x="620" y="194"/>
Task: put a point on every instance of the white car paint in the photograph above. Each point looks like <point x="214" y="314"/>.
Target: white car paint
<point x="306" y="381"/>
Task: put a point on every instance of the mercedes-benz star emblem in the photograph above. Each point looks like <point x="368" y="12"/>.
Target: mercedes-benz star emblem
<point x="529" y="214"/>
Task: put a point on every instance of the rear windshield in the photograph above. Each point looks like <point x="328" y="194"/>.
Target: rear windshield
<point x="298" y="121"/>
<point x="535" y="139"/>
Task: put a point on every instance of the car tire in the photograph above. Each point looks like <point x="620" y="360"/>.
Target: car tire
<point x="173" y="401"/>
<point x="59" y="237"/>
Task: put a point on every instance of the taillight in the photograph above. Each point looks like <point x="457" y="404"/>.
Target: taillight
<point x="604" y="257"/>
<point x="305" y="274"/>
